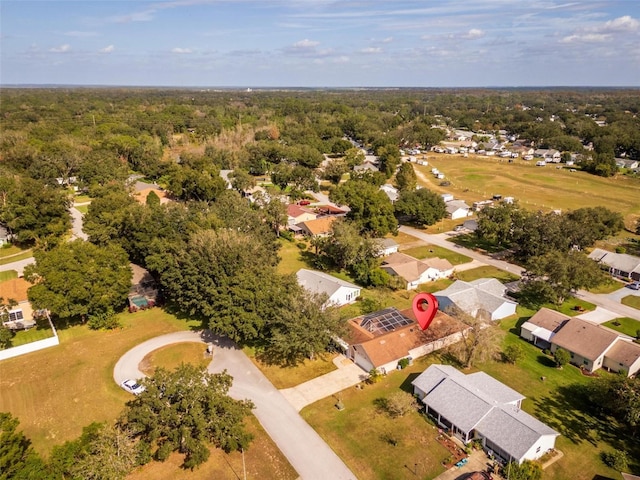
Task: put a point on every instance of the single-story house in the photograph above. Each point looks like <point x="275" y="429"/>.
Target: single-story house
<point x="386" y="246"/>
<point x="458" y="209"/>
<point x="381" y="339"/>
<point x="478" y="407"/>
<point x="339" y="292"/>
<point x="592" y="347"/>
<point x="549" y="154"/>
<point x="627" y="163"/>
<point x="620" y="265"/>
<point x="482" y="298"/>
<point x="297" y="214"/>
<point x="19" y="316"/>
<point x="320" y="227"/>
<point x="390" y="191"/>
<point x="141" y="191"/>
<point x="415" y="272"/>
<point x="470" y="225"/>
<point x="542" y="326"/>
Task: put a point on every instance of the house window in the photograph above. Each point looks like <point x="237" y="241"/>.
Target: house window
<point x="585" y="362"/>
<point x="15" y="315"/>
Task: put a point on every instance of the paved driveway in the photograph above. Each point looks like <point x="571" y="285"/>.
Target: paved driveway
<point x="306" y="451"/>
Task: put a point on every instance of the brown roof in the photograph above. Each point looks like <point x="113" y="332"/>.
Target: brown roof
<point x="294" y="210"/>
<point x="584" y="338"/>
<point x="394" y="345"/>
<point x="318" y="226"/>
<point x="624" y="352"/>
<point x="548" y="319"/>
<point x="441" y="264"/>
<point x="14" y="289"/>
<point x="411" y="269"/>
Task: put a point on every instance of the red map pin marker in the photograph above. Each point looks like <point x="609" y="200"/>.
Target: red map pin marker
<point x="425" y="307"/>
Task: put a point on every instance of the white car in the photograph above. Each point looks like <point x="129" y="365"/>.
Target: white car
<point x="132" y="386"/>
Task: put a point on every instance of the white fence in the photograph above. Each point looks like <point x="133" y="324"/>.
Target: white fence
<point x="33" y="346"/>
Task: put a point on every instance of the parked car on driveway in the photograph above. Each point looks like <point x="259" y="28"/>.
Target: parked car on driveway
<point x="132" y="386"/>
<point x="634" y="285"/>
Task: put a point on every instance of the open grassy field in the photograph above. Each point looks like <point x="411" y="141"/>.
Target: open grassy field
<point x="57" y="391"/>
<point x="292" y="258"/>
<point x="626" y="325"/>
<point x="547" y="188"/>
<point x="434" y="251"/>
<point x="486" y="271"/>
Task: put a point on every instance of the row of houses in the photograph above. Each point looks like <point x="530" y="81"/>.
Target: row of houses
<point x="591" y="346"/>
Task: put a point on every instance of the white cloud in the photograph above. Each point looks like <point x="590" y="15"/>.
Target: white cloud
<point x="387" y="40"/>
<point x="79" y="34"/>
<point x="473" y="34"/>
<point x="371" y="50"/>
<point x="181" y="50"/>
<point x="587" y="37"/>
<point x="107" y="49"/>
<point x="306" y="43"/>
<point x="61" y="49"/>
<point x="621" y="24"/>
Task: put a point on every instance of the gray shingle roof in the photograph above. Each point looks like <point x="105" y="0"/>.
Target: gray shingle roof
<point x="618" y="261"/>
<point x="319" y="282"/>
<point x="513" y="430"/>
<point x="485" y="294"/>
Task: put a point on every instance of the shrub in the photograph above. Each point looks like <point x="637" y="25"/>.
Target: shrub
<point x="374" y="376"/>
<point x="103" y="320"/>
<point x="301" y="245"/>
<point x="287" y="235"/>
<point x="616" y="459"/>
<point x="400" y="403"/>
<point x="621" y="250"/>
<point x="562" y="357"/>
<point x="512" y="353"/>
<point x="403" y="363"/>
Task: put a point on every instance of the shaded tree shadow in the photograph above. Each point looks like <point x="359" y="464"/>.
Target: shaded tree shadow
<point x="546" y="361"/>
<point x="406" y="384"/>
<point x="570" y="412"/>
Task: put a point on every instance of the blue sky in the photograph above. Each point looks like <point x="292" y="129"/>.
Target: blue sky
<point x="321" y="43"/>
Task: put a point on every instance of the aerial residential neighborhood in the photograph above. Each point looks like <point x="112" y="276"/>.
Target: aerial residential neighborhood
<point x="320" y="240"/>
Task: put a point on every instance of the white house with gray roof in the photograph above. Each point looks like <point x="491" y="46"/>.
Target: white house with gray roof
<point x="339" y="292"/>
<point x="478" y="407"/>
<point x="619" y="265"/>
<point x="483" y="298"/>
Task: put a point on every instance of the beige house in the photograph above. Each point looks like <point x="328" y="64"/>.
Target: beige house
<point x="591" y="346"/>
<point x="415" y="272"/>
<point x="297" y="214"/>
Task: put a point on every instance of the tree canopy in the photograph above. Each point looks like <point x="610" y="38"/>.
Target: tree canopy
<point x="180" y="410"/>
<point x="79" y="279"/>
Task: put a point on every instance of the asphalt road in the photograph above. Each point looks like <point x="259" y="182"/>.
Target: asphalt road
<point x="306" y="451"/>
<point x="17" y="266"/>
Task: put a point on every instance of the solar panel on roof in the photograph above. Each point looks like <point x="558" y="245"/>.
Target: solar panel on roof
<point x="384" y="321"/>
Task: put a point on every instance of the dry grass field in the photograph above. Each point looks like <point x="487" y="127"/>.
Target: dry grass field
<point x="546" y="188"/>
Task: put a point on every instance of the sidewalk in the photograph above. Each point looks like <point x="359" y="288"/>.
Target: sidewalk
<point x="347" y="375"/>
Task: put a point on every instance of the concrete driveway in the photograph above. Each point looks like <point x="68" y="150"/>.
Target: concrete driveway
<point x="301" y="445"/>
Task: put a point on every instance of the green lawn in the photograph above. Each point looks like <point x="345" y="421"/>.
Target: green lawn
<point x="172" y="356"/>
<point x="292" y="258"/>
<point x="559" y="402"/>
<point x="486" y="271"/>
<point x="8" y="275"/>
<point x="360" y="433"/>
<point x="8" y="250"/>
<point x="57" y="391"/>
<point x="287" y="377"/>
<point x="40" y="332"/>
<point x="434" y="251"/>
<point x="610" y="285"/>
<point x="631" y="301"/>
<point x="626" y="325"/>
<point x="14" y="258"/>
<point x="82" y="208"/>
<point x="82" y="199"/>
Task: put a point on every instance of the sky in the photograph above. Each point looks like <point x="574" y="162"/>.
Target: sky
<point x="321" y="43"/>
